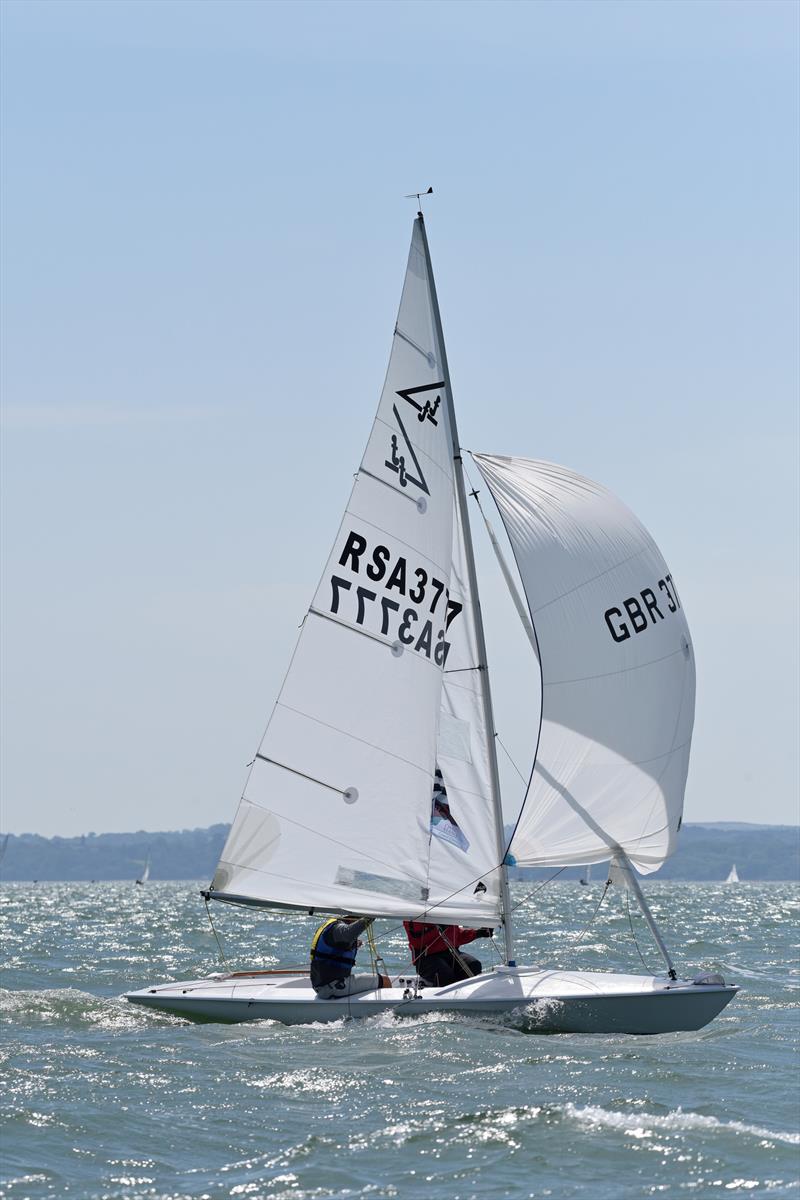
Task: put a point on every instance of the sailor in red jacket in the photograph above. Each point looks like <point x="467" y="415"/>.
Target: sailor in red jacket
<point x="436" y="955"/>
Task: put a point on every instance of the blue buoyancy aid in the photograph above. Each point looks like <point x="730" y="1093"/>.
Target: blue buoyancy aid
<point x="324" y="953"/>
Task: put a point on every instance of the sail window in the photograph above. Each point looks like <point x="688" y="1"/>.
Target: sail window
<point x="386" y="885"/>
<point x="454" y="737"/>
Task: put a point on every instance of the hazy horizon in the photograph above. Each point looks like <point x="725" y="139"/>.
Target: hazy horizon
<point x="191" y="829"/>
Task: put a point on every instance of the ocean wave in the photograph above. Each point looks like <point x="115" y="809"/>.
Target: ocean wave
<point x="505" y="1124"/>
<point x="646" y="1124"/>
<point x="735" y="969"/>
<point x="69" y="1008"/>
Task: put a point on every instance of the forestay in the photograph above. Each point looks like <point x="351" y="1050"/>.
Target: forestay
<point x="336" y="813"/>
<point x="617" y="671"/>
<point x="471" y="849"/>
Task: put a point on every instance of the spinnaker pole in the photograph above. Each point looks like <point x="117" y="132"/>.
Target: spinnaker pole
<point x="483" y="666"/>
<point x="624" y="866"/>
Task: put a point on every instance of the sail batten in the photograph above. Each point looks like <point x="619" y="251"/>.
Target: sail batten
<point x="616" y="668"/>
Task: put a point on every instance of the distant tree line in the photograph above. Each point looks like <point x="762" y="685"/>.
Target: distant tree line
<point x="705" y="852"/>
<point x="184" y="854"/>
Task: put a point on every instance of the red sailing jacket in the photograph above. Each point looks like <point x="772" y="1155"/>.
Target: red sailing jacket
<point x="430" y="939"/>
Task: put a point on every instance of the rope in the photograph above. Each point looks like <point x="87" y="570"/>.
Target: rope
<point x="375" y="958"/>
<point x="510" y="759"/>
<point x="633" y="932"/>
<point x="538" y="889"/>
<point x="459" y="958"/>
<point x="222" y="958"/>
<point x="585" y="929"/>
<point x="495" y="947"/>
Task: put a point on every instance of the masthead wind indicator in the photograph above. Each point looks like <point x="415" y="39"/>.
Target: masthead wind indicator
<point x="418" y="197"/>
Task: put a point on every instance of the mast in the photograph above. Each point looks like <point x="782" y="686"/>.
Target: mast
<point x="483" y="667"/>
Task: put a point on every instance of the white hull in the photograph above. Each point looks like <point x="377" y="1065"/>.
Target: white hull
<point x="551" y="1001"/>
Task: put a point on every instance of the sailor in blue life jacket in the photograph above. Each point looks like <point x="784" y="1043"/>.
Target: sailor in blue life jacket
<point x="333" y="955"/>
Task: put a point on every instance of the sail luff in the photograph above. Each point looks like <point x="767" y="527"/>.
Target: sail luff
<point x="463" y="517"/>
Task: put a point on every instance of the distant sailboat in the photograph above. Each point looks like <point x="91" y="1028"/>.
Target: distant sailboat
<point x="375" y="789"/>
<point x="733" y="875"/>
<point x="145" y="873"/>
<point x="586" y="878"/>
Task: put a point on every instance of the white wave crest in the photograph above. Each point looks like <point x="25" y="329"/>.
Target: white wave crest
<point x="644" y="1124"/>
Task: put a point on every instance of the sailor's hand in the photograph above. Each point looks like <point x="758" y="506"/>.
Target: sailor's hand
<point x="485" y="933"/>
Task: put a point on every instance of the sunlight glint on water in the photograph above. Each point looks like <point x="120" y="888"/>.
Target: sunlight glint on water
<point x="105" y="1100"/>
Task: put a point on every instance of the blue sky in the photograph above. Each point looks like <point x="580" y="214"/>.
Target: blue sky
<point x="204" y="235"/>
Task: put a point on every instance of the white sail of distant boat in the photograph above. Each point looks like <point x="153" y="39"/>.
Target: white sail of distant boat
<point x="145" y="873"/>
<point x="375" y="789"/>
<point x="733" y="875"/>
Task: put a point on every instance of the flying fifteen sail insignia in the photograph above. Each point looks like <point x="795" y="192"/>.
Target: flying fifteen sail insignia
<point x="426" y="410"/>
<point x="399" y="456"/>
<point x="397" y="462"/>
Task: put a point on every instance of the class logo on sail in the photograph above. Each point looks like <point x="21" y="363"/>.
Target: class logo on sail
<point x="401" y="452"/>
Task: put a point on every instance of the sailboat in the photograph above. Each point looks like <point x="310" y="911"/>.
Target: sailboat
<point x="145" y="873"/>
<point x="733" y="875"/>
<point x="386" y="708"/>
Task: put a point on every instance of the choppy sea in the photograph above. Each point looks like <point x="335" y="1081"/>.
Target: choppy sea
<point x="101" y="1099"/>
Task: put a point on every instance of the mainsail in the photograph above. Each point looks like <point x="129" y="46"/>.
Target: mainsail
<point x="337" y="810"/>
<point x="617" y="671"/>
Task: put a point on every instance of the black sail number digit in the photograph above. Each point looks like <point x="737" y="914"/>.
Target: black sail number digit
<point x="409" y="616"/>
<point x="337" y="585"/>
<point x="417" y="594"/>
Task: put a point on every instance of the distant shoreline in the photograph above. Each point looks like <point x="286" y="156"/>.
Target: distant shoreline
<point x="560" y="882"/>
<point x="706" y="853"/>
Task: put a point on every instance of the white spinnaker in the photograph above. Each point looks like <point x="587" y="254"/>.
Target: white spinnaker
<point x="336" y="810"/>
<point x="617" y="671"/>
